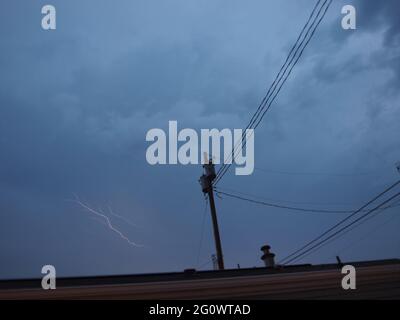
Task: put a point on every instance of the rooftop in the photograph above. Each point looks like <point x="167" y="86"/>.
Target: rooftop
<point x="375" y="279"/>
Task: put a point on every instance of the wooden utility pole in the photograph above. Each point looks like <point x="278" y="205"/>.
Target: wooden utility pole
<point x="206" y="183"/>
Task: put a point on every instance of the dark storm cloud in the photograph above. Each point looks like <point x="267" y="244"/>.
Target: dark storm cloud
<point x="373" y="18"/>
<point x="373" y="15"/>
<point x="76" y="105"/>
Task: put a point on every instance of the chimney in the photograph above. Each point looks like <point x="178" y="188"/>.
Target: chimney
<point x="268" y="257"/>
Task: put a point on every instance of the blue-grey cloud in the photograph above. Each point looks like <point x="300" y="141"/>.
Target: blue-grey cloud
<point x="76" y="103"/>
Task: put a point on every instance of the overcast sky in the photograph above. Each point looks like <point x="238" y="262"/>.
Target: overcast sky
<point x="76" y="103"/>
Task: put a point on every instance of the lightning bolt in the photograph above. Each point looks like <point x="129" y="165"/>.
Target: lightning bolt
<point x="122" y="218"/>
<point x="107" y="220"/>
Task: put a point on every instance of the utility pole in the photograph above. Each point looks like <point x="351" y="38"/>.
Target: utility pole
<point x="206" y="181"/>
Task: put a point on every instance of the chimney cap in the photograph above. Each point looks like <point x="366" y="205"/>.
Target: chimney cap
<point x="265" y="247"/>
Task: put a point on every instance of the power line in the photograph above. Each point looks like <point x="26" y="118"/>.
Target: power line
<point x="350" y="229"/>
<point x="310" y="173"/>
<point x="273" y="85"/>
<point x="337" y="225"/>
<point x="263" y="198"/>
<point x="334" y="174"/>
<point x="370" y="231"/>
<point x="262" y="109"/>
<point x="343" y="221"/>
<point x="206" y="263"/>
<point x="275" y="205"/>
<point x="298" y="57"/>
<point x="280" y="206"/>
<point x="255" y="115"/>
<point x="320" y="244"/>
